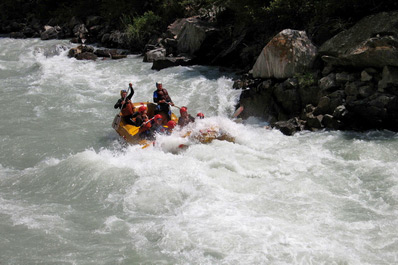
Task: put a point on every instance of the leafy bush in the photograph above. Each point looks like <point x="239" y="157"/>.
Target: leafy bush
<point x="142" y="28"/>
<point x="305" y="79"/>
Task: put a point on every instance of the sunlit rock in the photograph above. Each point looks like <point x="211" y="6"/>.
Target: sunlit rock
<point x="288" y="53"/>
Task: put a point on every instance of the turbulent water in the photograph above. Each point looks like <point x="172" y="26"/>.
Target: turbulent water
<point x="72" y="193"/>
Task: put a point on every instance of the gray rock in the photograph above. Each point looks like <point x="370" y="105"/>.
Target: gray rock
<point x="330" y="122"/>
<point x="351" y="89"/>
<point x="344" y="77"/>
<point x="167" y="62"/>
<point x="340" y="112"/>
<point x="314" y="122"/>
<point x="366" y="91"/>
<point x="371" y="42"/>
<point x="192" y="35"/>
<point x="289" y="127"/>
<point x="323" y="106"/>
<point x="389" y="78"/>
<point x="86" y="56"/>
<point x="156" y="54"/>
<point x="365" y="76"/>
<point x="309" y="95"/>
<point x="328" y="83"/>
<point x="17" y="35"/>
<point x="288" y="98"/>
<point x="288" y="53"/>
<point x="51" y="33"/>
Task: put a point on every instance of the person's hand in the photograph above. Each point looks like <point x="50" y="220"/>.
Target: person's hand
<point x="123" y="102"/>
<point x="171" y="103"/>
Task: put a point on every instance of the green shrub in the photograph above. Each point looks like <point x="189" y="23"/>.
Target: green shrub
<point x="142" y="27"/>
<point x="305" y="79"/>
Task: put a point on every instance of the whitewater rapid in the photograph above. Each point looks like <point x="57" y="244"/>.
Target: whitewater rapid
<point x="71" y="192"/>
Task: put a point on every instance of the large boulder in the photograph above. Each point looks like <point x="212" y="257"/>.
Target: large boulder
<point x="192" y="35"/>
<point x="373" y="42"/>
<point x="288" y="53"/>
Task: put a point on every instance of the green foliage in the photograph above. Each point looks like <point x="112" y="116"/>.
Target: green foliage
<point x="142" y="27"/>
<point x="305" y="79"/>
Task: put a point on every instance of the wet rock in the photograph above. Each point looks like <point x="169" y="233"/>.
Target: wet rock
<point x="330" y="122"/>
<point x="111" y="53"/>
<point x="289" y="127"/>
<point x="51" y="33"/>
<point x="162" y="63"/>
<point x="156" y="54"/>
<point x="340" y="112"/>
<point x="86" y="56"/>
<point x="17" y="35"/>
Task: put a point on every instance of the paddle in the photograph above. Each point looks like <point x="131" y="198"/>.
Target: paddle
<point x="237" y="112"/>
<point x="118" y="118"/>
<point x="136" y="129"/>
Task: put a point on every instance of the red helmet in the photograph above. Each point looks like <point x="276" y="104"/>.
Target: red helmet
<point x="142" y="109"/>
<point x="183" y="109"/>
<point x="158" y="116"/>
<point x="200" y="115"/>
<point x="171" y="124"/>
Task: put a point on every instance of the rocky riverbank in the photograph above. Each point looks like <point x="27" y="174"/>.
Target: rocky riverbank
<point x="349" y="83"/>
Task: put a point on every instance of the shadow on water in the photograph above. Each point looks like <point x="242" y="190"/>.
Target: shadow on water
<point x="373" y="135"/>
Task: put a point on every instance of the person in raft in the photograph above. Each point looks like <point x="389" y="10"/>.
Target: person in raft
<point x="157" y="126"/>
<point x="185" y="118"/>
<point x="125" y="105"/>
<point x="140" y="117"/>
<point x="162" y="98"/>
<point x="170" y="126"/>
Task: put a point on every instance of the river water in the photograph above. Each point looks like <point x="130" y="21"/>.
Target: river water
<point x="72" y="193"/>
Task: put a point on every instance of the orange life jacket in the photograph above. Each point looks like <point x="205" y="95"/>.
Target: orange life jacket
<point x="128" y="109"/>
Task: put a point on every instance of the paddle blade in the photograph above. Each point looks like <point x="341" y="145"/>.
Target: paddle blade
<point x="237" y="112"/>
<point x="134" y="130"/>
<point x="116" y="122"/>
